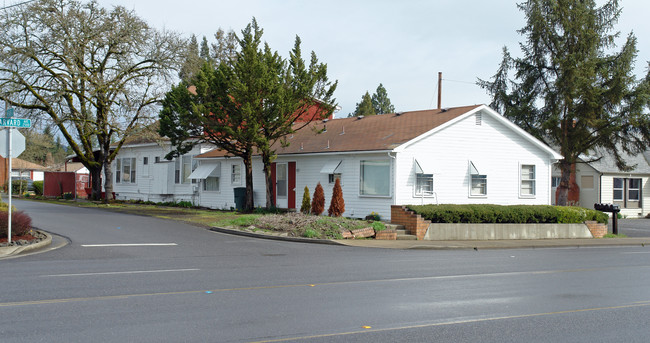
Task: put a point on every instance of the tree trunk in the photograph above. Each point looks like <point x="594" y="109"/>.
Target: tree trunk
<point x="563" y="187"/>
<point x="248" y="165"/>
<point x="108" y="182"/>
<point x="266" y="160"/>
<point x="96" y="182"/>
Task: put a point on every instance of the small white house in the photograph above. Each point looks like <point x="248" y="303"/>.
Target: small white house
<point x="459" y="155"/>
<point x="602" y="182"/>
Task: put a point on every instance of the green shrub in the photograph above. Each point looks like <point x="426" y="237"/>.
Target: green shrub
<point x="38" y="187"/>
<point x="68" y="196"/>
<point x="448" y="213"/>
<point x="18" y="185"/>
<point x="309" y="233"/>
<point x="306" y="202"/>
<point x="373" y="216"/>
<point x="21" y="223"/>
<point x="378" y="226"/>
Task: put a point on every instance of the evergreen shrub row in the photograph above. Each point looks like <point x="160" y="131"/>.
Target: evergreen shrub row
<point x="515" y="214"/>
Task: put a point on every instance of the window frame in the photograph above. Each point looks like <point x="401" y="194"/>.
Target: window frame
<point x="476" y="178"/>
<point x="527" y="179"/>
<point x="362" y="190"/>
<point x="419" y="179"/>
<point x="233" y="180"/>
<point x="621" y="189"/>
<point x="120" y="166"/>
<point x="331" y="178"/>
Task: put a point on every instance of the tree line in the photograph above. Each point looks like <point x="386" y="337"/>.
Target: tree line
<point x="99" y="75"/>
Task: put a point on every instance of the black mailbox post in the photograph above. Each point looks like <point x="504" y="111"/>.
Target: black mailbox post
<point x="614" y="209"/>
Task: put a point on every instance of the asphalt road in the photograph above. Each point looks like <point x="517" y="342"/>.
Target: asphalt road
<point x="187" y="284"/>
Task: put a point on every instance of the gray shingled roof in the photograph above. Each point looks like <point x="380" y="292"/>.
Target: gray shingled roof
<point x="607" y="164"/>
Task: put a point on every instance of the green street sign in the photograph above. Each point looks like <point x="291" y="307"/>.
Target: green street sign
<point x="9" y="113"/>
<point x="15" y="122"/>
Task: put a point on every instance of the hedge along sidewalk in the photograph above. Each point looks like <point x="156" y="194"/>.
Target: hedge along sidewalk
<point x="511" y="214"/>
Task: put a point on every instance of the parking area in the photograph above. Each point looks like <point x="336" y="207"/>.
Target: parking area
<point x="633" y="227"/>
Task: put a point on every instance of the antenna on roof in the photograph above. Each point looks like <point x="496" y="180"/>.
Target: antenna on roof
<point x="439" y="90"/>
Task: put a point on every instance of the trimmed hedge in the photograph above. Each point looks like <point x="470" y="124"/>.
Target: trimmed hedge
<point x="515" y="214"/>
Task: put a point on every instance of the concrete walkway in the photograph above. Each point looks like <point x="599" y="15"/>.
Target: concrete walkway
<point x="448" y="245"/>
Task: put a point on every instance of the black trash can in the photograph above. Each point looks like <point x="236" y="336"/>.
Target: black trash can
<point x="240" y="198"/>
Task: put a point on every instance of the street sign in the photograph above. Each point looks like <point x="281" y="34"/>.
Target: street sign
<point x="15" y="122"/>
<point x="17" y="143"/>
<point x="9" y="113"/>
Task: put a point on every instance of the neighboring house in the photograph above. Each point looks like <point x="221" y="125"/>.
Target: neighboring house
<point x="82" y="176"/>
<point x="460" y="155"/>
<point x="602" y="182"/>
<point x="26" y="170"/>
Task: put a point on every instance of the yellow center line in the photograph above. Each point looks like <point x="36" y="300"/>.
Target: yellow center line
<point x="440" y="277"/>
<point x="408" y="327"/>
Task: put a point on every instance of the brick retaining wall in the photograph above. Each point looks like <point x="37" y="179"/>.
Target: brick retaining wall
<point x="598" y="230"/>
<point x="413" y="223"/>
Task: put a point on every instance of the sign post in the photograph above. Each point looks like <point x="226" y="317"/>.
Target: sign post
<point x="10" y="122"/>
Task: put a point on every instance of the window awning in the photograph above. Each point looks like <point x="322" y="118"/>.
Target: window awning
<point x="423" y="166"/>
<point x="472" y="169"/>
<point x="205" y="170"/>
<point x="330" y="167"/>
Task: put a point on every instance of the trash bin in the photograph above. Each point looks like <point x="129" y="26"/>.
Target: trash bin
<point x="240" y="198"/>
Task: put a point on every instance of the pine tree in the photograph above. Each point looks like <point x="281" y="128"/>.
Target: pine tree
<point x="192" y="63"/>
<point x="318" y="202"/>
<point x="205" y="51"/>
<point x="571" y="89"/>
<point x="364" y="108"/>
<point x="381" y="102"/>
<point x="337" y="205"/>
<point x="306" y="202"/>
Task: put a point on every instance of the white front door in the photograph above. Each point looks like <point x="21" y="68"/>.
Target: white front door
<point x="281" y="183"/>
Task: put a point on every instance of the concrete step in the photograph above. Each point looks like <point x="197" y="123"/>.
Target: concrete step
<point x="406" y="237"/>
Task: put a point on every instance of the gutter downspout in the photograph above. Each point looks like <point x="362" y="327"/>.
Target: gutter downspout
<point x="394" y="196"/>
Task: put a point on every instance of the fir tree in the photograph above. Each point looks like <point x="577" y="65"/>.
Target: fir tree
<point x="306" y="202"/>
<point x="364" y="108"/>
<point x="318" y="202"/>
<point x="337" y="205"/>
<point x="571" y="89"/>
<point x="380" y="101"/>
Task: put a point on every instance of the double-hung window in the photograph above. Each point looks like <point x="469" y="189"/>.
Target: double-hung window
<point x="375" y="178"/>
<point x="235" y="175"/>
<point x="478" y="181"/>
<point x="423" y="184"/>
<point x="211" y="183"/>
<point x="527" y="186"/>
<point x="125" y="170"/>
<point x="627" y="192"/>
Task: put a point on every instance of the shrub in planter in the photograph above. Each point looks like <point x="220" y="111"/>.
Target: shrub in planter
<point x="318" y="202"/>
<point x="306" y="202"/>
<point x="337" y="205"/>
<point x="21" y="223"/>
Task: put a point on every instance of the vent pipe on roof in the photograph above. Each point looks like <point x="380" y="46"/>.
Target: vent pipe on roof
<point x="439" y="90"/>
<point x="359" y="117"/>
<point x="328" y="144"/>
<point x="343" y="131"/>
<point x="301" y="147"/>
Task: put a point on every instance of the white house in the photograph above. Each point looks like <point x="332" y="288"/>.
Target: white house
<point x="459" y="155"/>
<point x="602" y="182"/>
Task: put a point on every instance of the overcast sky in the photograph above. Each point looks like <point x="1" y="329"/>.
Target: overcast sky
<point x="401" y="44"/>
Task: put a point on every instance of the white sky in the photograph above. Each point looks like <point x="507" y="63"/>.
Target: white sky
<point x="401" y="44"/>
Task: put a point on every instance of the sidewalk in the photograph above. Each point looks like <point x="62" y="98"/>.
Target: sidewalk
<point x="449" y="245"/>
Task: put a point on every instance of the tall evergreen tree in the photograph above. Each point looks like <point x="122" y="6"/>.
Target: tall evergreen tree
<point x="364" y="108"/>
<point x="381" y="102"/>
<point x="249" y="103"/>
<point x="204" y="53"/>
<point x="570" y="88"/>
<point x="192" y="63"/>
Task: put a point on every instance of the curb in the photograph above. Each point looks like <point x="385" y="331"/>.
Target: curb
<point x="12" y="251"/>
<point x="275" y="238"/>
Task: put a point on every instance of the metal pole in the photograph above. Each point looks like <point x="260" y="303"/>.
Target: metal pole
<point x="9" y="177"/>
<point x="615" y="222"/>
